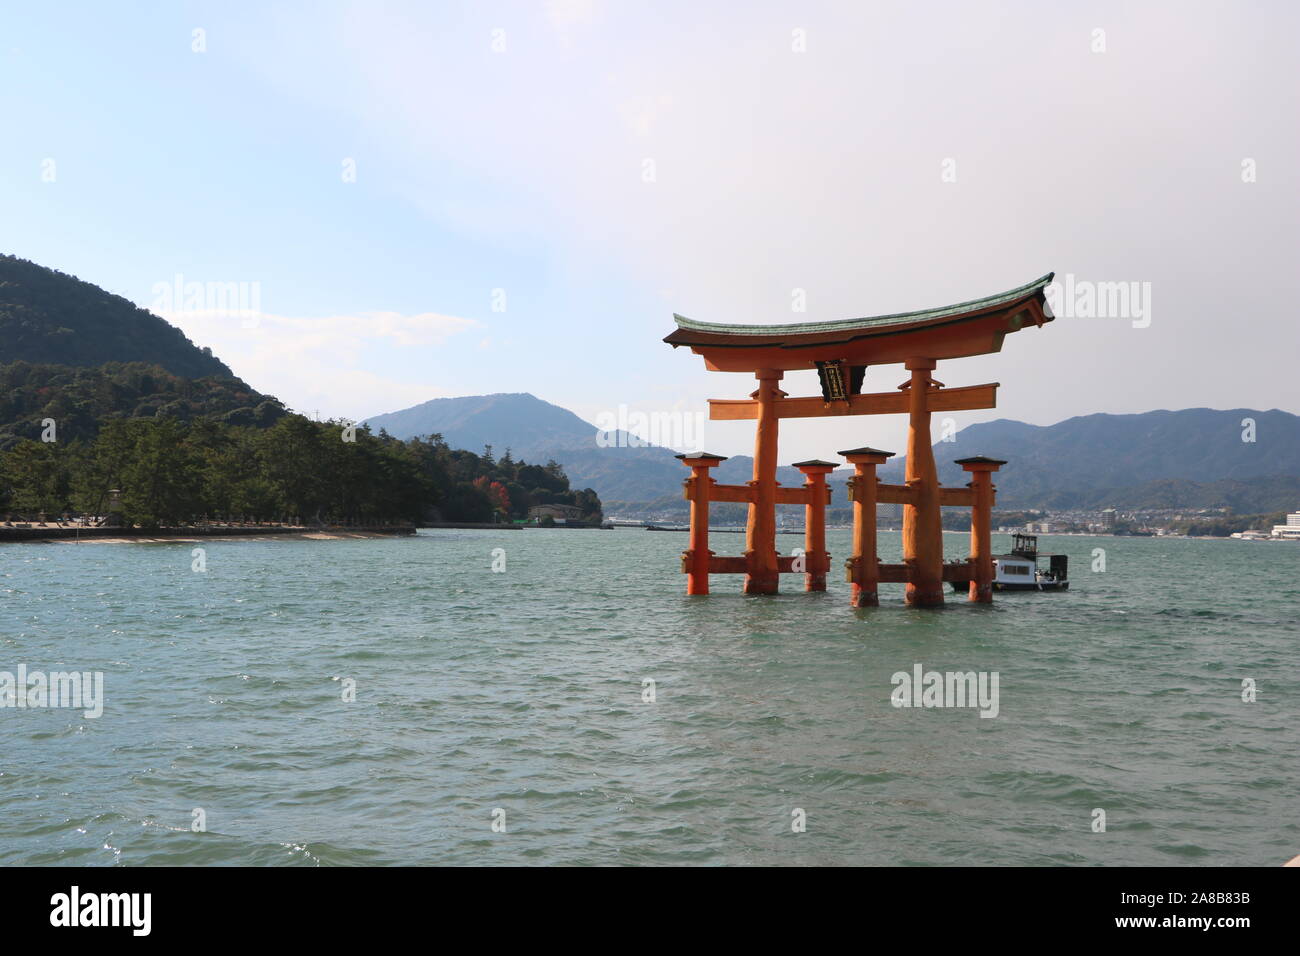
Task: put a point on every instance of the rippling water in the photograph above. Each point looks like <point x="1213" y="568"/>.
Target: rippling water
<point x="523" y="691"/>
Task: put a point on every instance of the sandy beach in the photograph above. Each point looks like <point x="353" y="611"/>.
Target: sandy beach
<point x="331" y="534"/>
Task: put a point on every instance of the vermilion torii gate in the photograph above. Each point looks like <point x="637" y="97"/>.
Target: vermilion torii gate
<point x="841" y="352"/>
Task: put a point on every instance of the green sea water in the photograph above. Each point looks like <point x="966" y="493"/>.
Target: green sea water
<point x="520" y="697"/>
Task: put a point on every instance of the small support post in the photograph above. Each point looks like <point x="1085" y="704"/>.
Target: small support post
<point x="695" y="561"/>
<point x="981" y="517"/>
<point x="760" y="534"/>
<point x="816" y="560"/>
<point x="864" y="566"/>
<point x="922" y="525"/>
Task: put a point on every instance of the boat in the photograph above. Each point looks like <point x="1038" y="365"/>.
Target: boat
<point x="1019" y="570"/>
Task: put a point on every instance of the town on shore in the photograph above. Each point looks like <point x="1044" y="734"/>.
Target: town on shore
<point x="1207" y="523"/>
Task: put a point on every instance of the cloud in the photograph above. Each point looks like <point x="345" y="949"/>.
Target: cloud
<point x="564" y="12"/>
<point x="823" y="170"/>
<point x="568" y="15"/>
<point x="338" y="365"/>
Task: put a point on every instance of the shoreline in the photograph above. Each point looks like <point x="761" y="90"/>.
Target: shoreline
<point x="65" y="535"/>
<point x="57" y="535"/>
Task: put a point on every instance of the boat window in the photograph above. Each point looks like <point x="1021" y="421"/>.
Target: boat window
<point x="1015" y="569"/>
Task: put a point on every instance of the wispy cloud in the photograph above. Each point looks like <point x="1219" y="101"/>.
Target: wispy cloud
<point x="853" y="158"/>
<point x="337" y="365"/>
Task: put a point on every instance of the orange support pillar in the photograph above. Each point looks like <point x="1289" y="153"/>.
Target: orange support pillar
<point x="760" y="533"/>
<point x="695" y="561"/>
<point x="816" y="560"/>
<point x="981" y="518"/>
<point x="864" y="565"/>
<point x="922" y="526"/>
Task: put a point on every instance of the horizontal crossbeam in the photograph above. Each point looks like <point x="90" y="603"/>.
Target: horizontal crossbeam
<point x="956" y="497"/>
<point x="740" y="493"/>
<point x="797" y="495"/>
<point x="899" y="573"/>
<point x="895" y="494"/>
<point x="739" y="564"/>
<point x="965" y="398"/>
<point x="744" y="494"/>
<point x="906" y="495"/>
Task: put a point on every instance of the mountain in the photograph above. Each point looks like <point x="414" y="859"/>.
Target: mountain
<point x="96" y="394"/>
<point x="1113" y="460"/>
<point x="49" y="317"/>
<point x="1190" y="458"/>
<point x="73" y="353"/>
<point x="531" y="428"/>
<point x="81" y="399"/>
<point x="535" y="430"/>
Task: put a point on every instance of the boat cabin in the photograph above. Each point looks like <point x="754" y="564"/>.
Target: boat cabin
<point x="1019" y="570"/>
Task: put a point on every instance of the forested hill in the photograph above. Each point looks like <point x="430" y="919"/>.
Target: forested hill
<point x="172" y="473"/>
<point x="1099" y="460"/>
<point x="81" y="400"/>
<point x="49" y="317"/>
<point x="1245" y="459"/>
<point x="97" y="394"/>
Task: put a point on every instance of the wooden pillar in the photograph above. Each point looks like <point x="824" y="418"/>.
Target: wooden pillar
<point x="981" y="518"/>
<point x="816" y="560"/>
<point x="760" y="533"/>
<point x="695" y="560"/>
<point x="864" y="565"/>
<point x="922" y="526"/>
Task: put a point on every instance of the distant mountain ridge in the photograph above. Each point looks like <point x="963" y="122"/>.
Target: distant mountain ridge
<point x="49" y="317"/>
<point x="72" y="352"/>
<point x="1088" y="459"/>
<point x="536" y="430"/>
<point x="1183" y="458"/>
<point x="531" y="428"/>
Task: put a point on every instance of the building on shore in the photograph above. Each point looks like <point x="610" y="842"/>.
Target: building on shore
<point x="560" y="514"/>
<point x="1290" y="530"/>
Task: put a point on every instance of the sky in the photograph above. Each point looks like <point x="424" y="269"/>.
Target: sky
<point x="424" y="200"/>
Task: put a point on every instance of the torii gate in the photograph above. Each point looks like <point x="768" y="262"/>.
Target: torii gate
<point x="841" y="351"/>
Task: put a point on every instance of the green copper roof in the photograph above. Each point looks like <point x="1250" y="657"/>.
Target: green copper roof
<point x="898" y="318"/>
<point x="865" y="450"/>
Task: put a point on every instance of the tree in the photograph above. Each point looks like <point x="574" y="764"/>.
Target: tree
<point x="163" y="481"/>
<point x="36" y="478"/>
<point x="294" y="464"/>
<point x="171" y="470"/>
<point x="495" y="492"/>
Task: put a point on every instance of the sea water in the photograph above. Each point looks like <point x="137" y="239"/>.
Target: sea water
<point x="553" y="697"/>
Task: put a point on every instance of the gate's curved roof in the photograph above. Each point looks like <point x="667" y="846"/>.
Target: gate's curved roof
<point x="966" y="328"/>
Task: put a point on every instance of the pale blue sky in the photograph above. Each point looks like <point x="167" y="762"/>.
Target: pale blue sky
<point x="523" y="169"/>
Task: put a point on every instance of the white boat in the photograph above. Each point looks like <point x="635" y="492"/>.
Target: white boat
<point x="1019" y="570"/>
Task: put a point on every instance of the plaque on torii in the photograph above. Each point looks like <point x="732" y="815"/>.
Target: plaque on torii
<point x="840" y="352"/>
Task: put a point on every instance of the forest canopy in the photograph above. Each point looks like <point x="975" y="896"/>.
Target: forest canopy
<point x="173" y="472"/>
<point x="78" y="400"/>
<point x="50" y="317"/>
